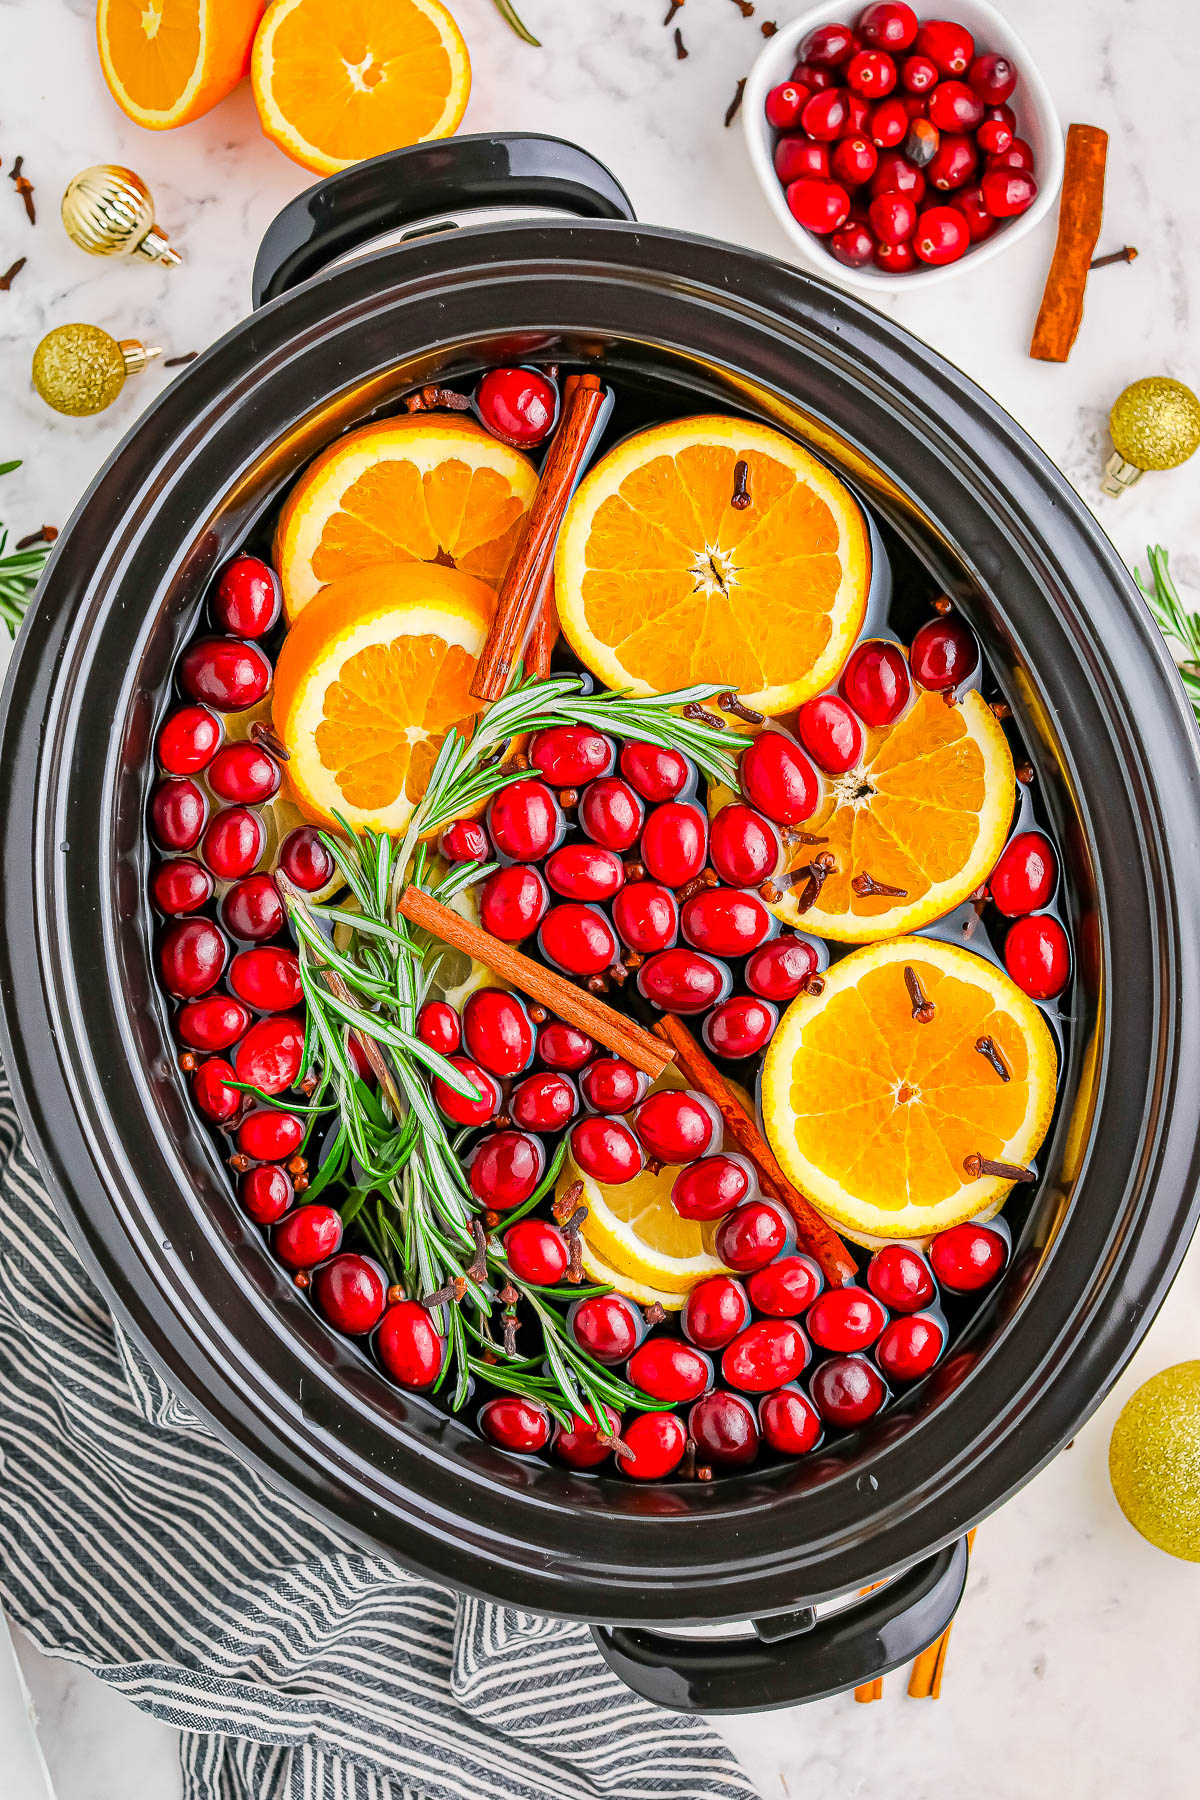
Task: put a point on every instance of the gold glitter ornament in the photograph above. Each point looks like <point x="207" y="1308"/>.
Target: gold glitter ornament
<point x="1155" y="424"/>
<point x="108" y="211"/>
<point x="1154" y="1460"/>
<point x="80" y="369"/>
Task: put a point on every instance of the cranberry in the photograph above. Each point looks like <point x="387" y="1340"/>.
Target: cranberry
<point x="947" y="44"/>
<point x="564" y="1046"/>
<point x="177" y="813"/>
<point x="953" y="106"/>
<point x="944" y="654"/>
<point x="464" y="841"/>
<point x="740" y="1027"/>
<point x="674" y="842"/>
<point x="606" y="1150"/>
<point x="897" y="259"/>
<point x="845" y="1318"/>
<point x="577" y="939"/>
<point x="265" y="1193"/>
<point x="516" y="405"/>
<point x="893" y="218"/>
<point x="896" y="175"/>
<point x="269" y="1136"/>
<point x="765" y="1355"/>
<point x="724" y="921"/>
<point x="1018" y="155"/>
<point x="847" y="1390"/>
<point x="796" y="155"/>
<point x="826" y="726"/>
<point x="610" y="813"/>
<point x="941" y="235"/>
<point x="900" y="1278"/>
<point x="876" y="682"/>
<point x="267" y="978"/>
<point x="497" y="1031"/>
<point x="224" y="673"/>
<point x="967" y="1257"/>
<point x="852" y="245"/>
<point x="816" y="203"/>
<point x="212" y="1023"/>
<point x="515" y="1423"/>
<point x="181" y="886"/>
<point x="980" y="223"/>
<point x="657" y="1441"/>
<point x="244" y="772"/>
<point x="782" y="968"/>
<point x="1023" y="879"/>
<point x="656" y="773"/>
<point x="785" y="103"/>
<point x="544" y="1102"/>
<point x="889" y="25"/>
<point x="269" y="1056"/>
<point x="646" y="916"/>
<point x="580" y="1445"/>
<point x="212" y="1092"/>
<point x="714" y="1312"/>
<point x="725" y="1429"/>
<point x="505" y="1169"/>
<point x="585" y="872"/>
<point x="918" y="73"/>
<point x="909" y="1347"/>
<point x="786" y="1288"/>
<point x="408" y="1344"/>
<point x="188" y="740"/>
<point x="828" y="45"/>
<point x="1007" y="192"/>
<point x="477" y="1109"/>
<point x="953" y="164"/>
<point x="710" y="1188"/>
<point x="248" y="598"/>
<point x="1003" y="115"/>
<point x="853" y="161"/>
<point x="307" y="1236"/>
<point x="1037" y="955"/>
<point x="667" y="1369"/>
<point x="993" y="78"/>
<point x="871" y="73"/>
<point x="233" y="842"/>
<point x="612" y="1085"/>
<point x="751" y="1237"/>
<point x="607" y="1326"/>
<point x="889" y="125"/>
<point x="252" y="909"/>
<point x="921" y="142"/>
<point x="789" y="1421"/>
<point x="536" y="1252"/>
<point x="439" y="1026"/>
<point x="192" y="958"/>
<point x="778" y="779"/>
<point x="675" y="1126"/>
<point x="525" y="820"/>
<point x="351" y="1292"/>
<point x="568" y="755"/>
<point x="304" y="859"/>
<point x="682" y="981"/>
<point x="744" y="847"/>
<point x="994" y="137"/>
<point x="512" y="902"/>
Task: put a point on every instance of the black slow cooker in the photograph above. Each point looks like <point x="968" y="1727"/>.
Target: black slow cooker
<point x="366" y="286"/>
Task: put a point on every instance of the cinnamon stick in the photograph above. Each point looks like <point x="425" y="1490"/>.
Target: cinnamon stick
<point x="532" y="559"/>
<point x="621" y="1035"/>
<point x="925" y="1681"/>
<point x="816" y="1237"/>
<point x="1080" y="210"/>
<point x="544" y="635"/>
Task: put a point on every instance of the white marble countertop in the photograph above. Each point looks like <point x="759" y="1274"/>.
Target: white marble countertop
<point x="1075" y="1655"/>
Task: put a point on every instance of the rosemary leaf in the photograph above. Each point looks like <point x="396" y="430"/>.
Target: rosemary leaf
<point x="1174" y="621"/>
<point x="508" y="14"/>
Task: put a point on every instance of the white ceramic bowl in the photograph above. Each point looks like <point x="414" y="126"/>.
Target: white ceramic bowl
<point x="1037" y="122"/>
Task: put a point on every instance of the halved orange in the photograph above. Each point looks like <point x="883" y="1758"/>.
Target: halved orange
<point x="873" y="1114"/>
<point x="417" y="489"/>
<point x="168" y="61"/>
<point x="368" y="684"/>
<point x="713" y="549"/>
<point x="926" y="812"/>
<point x="337" y="81"/>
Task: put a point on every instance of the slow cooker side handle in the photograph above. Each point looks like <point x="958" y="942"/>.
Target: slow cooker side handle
<point x="827" y="1656"/>
<point x="405" y="187"/>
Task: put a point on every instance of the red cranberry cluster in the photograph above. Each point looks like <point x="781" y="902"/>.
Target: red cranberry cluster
<point x="875" y="116"/>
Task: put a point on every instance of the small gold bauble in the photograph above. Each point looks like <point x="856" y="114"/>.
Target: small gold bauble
<point x="1155" y="424"/>
<point x="80" y="369"/>
<point x="108" y="211"/>
<point x="1154" y="1460"/>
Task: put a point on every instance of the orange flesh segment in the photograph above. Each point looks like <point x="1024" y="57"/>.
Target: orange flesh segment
<point x="468" y="518"/>
<point x="387" y="714"/>
<point x="357" y="79"/>
<point x="155" y="46"/>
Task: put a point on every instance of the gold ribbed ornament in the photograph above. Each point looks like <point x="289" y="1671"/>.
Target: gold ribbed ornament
<point x="80" y="369"/>
<point x="1155" y="424"/>
<point x="109" y="211"/>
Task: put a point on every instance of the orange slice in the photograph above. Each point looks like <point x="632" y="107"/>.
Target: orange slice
<point x="662" y="581"/>
<point x="337" y="81"/>
<point x="168" y="61"/>
<point x="405" y="490"/>
<point x="927" y="811"/>
<point x="368" y="684"/>
<point x="872" y="1114"/>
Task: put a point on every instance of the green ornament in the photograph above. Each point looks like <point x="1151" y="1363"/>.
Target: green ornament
<point x="1154" y="1460"/>
<point x="80" y="369"/>
<point x="1155" y="424"/>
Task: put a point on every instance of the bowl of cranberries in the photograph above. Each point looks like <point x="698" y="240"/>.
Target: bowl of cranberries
<point x="899" y="145"/>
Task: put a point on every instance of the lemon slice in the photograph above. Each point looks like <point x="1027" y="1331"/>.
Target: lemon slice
<point x="635" y="1230"/>
<point x="597" y="1270"/>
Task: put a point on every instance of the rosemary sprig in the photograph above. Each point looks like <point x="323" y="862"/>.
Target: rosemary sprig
<point x="19" y="572"/>
<point x="1174" y="621"/>
<point x="508" y="14"/>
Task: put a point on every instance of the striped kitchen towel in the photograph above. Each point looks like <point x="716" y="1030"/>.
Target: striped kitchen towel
<point x="295" y="1666"/>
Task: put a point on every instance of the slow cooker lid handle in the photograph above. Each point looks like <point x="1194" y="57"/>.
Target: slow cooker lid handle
<point x="821" y="1656"/>
<point x="425" y="180"/>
